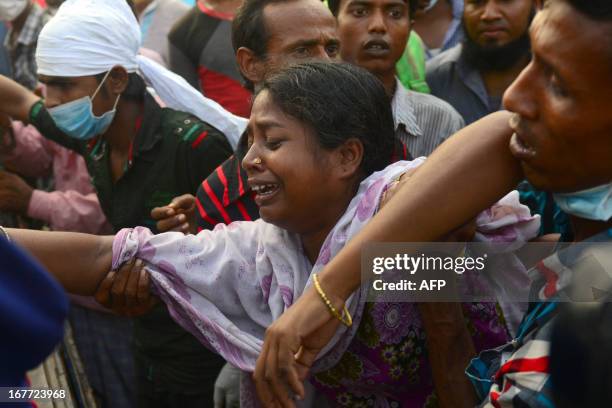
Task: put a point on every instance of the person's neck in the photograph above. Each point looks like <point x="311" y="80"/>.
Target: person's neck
<point x="584" y="229"/>
<point x="19" y="22"/>
<point x="123" y="129"/>
<point x="313" y="240"/>
<point x="312" y="243"/>
<point x="389" y="82"/>
<point x="496" y="82"/>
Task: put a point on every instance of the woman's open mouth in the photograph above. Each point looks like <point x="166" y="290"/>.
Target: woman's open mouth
<point x="264" y="192"/>
<point x="265" y="189"/>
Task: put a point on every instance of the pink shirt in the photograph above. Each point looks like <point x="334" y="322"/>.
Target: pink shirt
<point x="74" y="206"/>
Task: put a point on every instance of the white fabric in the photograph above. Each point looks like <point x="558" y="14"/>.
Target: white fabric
<point x="226" y="286"/>
<point x="88" y="37"/>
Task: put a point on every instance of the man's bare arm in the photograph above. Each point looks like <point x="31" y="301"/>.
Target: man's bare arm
<point x="78" y="261"/>
<point x="465" y="175"/>
<point x="15" y="100"/>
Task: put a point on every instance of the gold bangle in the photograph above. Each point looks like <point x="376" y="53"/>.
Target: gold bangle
<point x="6" y="234"/>
<point x="345" y="317"/>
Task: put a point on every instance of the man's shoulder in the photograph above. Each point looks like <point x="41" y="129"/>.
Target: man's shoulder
<point x="184" y="25"/>
<point x="188" y="128"/>
<point x="192" y="25"/>
<point x="442" y="66"/>
<point x="435" y="106"/>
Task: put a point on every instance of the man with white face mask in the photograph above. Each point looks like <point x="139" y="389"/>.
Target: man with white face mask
<point x="26" y="19"/>
<point x="139" y="155"/>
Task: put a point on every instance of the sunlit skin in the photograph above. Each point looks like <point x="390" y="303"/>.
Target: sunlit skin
<point x="373" y="34"/>
<point x="299" y="31"/>
<point x="563" y="126"/>
<point x="495" y="23"/>
<point x="307" y="187"/>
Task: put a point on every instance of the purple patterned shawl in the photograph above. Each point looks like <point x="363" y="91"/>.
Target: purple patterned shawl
<point x="226" y="286"/>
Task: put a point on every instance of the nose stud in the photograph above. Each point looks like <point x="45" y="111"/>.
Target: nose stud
<point x="257" y="160"/>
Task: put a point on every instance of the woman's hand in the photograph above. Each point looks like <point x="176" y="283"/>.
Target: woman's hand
<point x="290" y="347"/>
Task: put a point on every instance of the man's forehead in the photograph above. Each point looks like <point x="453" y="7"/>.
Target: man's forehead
<point x="376" y="2"/>
<point x="384" y="4"/>
<point x="559" y="34"/>
<point x="46" y="79"/>
<point x="280" y="11"/>
<point x="301" y="18"/>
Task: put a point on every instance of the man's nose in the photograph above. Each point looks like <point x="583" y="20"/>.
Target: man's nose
<point x="377" y="22"/>
<point x="520" y="97"/>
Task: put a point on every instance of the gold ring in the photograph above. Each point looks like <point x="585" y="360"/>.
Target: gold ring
<point x="257" y="160"/>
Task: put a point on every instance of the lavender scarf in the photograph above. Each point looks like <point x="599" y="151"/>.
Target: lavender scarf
<point x="226" y="286"/>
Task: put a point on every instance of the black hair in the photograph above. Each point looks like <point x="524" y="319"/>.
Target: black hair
<point x="600" y="10"/>
<point x="338" y="101"/>
<point x="135" y="89"/>
<point x="334" y="6"/>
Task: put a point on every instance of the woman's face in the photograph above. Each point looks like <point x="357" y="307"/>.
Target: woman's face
<point x="293" y="179"/>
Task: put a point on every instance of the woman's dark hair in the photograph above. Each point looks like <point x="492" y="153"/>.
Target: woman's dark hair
<point x="338" y="101"/>
<point x="334" y="6"/>
<point x="135" y="89"/>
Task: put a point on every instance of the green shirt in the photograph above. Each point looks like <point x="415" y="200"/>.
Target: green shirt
<point x="411" y="66"/>
<point x="172" y="153"/>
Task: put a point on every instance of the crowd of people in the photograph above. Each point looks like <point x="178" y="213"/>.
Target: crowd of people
<point x="191" y="185"/>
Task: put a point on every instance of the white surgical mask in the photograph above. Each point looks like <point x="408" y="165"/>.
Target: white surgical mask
<point x="593" y="204"/>
<point x="77" y="120"/>
<point x="11" y="9"/>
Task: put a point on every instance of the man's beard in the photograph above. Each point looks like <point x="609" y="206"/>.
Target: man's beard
<point x="496" y="58"/>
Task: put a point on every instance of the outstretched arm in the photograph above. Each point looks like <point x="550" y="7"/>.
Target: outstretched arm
<point x="466" y="174"/>
<point x="78" y="261"/>
<point x="16" y="101"/>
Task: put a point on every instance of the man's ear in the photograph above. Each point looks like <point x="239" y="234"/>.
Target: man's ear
<point x="349" y="157"/>
<point x="251" y="66"/>
<point x="117" y="80"/>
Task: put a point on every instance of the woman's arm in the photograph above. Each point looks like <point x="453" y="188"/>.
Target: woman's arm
<point x="466" y="174"/>
<point x="78" y="261"/>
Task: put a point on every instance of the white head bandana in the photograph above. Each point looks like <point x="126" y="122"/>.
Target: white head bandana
<point x="88" y="37"/>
